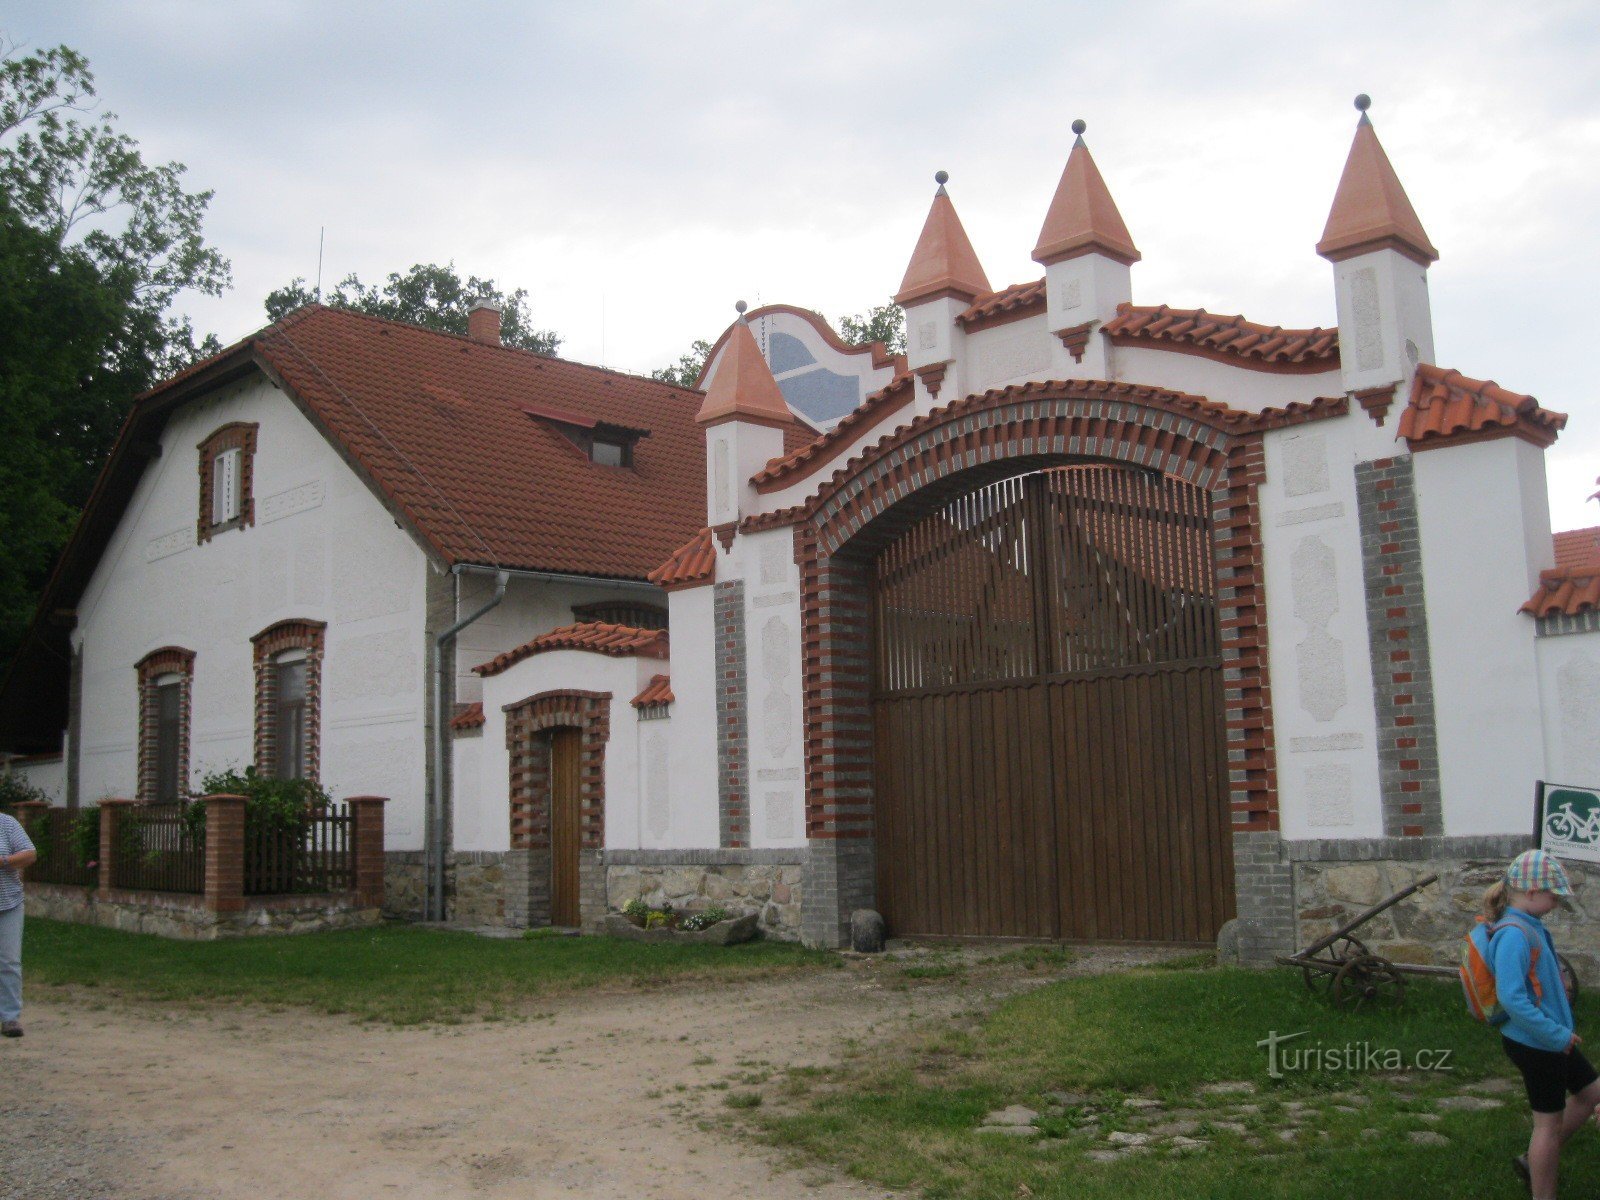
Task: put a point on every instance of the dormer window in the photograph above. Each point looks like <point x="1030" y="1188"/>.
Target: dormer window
<point x="601" y="442"/>
<point x="227" y="469"/>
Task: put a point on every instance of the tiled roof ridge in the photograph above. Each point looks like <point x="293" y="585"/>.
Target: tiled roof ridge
<point x="1446" y="405"/>
<point x="1201" y="408"/>
<point x="657" y="692"/>
<point x="786" y="468"/>
<point x="693" y="562"/>
<point x="1222" y="333"/>
<point x="1012" y="297"/>
<point x="1565" y="591"/>
<point x="599" y="637"/>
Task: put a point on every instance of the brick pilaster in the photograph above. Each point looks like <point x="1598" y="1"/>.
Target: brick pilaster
<point x="224" y="852"/>
<point x="1397" y="635"/>
<point x="366" y="812"/>
<point x="110" y="811"/>
<point x="733" y="738"/>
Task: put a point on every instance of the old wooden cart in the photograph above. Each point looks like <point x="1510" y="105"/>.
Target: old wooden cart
<point x="1352" y="976"/>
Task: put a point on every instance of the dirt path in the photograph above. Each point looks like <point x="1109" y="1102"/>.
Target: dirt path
<point x="599" y="1096"/>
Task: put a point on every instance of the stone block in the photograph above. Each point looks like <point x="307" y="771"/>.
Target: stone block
<point x="1359" y="883"/>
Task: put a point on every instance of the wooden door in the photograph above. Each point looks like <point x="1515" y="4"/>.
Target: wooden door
<point x="1047" y="710"/>
<point x="566" y="826"/>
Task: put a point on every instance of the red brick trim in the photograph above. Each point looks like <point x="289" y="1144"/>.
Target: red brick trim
<point x="1376" y="401"/>
<point x="239" y="436"/>
<point x="994" y="436"/>
<point x="526" y="720"/>
<point x="272" y="641"/>
<point x="1076" y="339"/>
<point x="933" y="377"/>
<point x="169" y="660"/>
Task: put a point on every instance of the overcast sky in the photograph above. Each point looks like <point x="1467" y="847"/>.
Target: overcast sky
<point x="638" y="167"/>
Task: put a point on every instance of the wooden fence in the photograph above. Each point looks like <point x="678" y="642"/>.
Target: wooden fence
<point x="158" y="848"/>
<point x="51" y="830"/>
<point x="314" y="857"/>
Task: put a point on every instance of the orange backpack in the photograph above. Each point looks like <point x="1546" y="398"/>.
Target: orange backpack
<point x="1477" y="973"/>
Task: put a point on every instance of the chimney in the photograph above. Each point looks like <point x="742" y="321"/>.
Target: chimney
<point x="483" y="323"/>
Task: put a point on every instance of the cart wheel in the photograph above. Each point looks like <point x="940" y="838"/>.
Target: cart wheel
<point x="1569" y="976"/>
<point x="1368" y="980"/>
<point x="1341" y="951"/>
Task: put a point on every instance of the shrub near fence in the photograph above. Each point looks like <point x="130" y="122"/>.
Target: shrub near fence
<point x="68" y="842"/>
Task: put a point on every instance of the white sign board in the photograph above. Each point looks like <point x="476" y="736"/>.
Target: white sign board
<point x="1569" y="821"/>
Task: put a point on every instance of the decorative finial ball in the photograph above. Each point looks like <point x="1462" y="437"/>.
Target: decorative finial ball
<point x="1363" y="102"/>
<point x="739" y="307"/>
<point x="941" y="177"/>
<point x="1079" y="126"/>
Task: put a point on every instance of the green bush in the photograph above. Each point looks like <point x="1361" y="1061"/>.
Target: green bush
<point x="270" y="804"/>
<point x="14" y="791"/>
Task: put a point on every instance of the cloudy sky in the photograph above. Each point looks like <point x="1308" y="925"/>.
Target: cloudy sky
<point x="640" y="166"/>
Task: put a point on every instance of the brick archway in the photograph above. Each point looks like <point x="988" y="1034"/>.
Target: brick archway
<point x="530" y="723"/>
<point x="1000" y="433"/>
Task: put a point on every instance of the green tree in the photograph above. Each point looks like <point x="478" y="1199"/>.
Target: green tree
<point x="429" y="295"/>
<point x="95" y="247"/>
<point x="686" y="371"/>
<point x="884" y="323"/>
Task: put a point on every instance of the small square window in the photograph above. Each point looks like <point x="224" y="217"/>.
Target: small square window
<point x="610" y="454"/>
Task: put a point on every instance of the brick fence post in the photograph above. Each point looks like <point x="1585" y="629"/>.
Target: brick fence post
<point x="110" y="809"/>
<point x="366" y="812"/>
<point x="224" y="852"/>
<point x="27" y="811"/>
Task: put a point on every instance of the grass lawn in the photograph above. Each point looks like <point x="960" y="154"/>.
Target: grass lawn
<point x="905" y="1114"/>
<point x="394" y="973"/>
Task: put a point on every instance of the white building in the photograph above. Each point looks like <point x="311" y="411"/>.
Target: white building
<point x="1085" y="619"/>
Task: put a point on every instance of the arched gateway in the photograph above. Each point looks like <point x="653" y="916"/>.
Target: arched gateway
<point x="1035" y="695"/>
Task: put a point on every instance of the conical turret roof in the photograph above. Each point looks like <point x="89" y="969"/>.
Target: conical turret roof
<point x="1371" y="210"/>
<point x="743" y="386"/>
<point x="944" y="261"/>
<point x="1083" y="218"/>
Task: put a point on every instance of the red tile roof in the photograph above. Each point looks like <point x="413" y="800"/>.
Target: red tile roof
<point x="470" y="717"/>
<point x="798" y="464"/>
<point x="691" y="563"/>
<point x="1008" y="304"/>
<point x="1230" y="338"/>
<point x="1565" y="593"/>
<point x="616" y="641"/>
<point x="1578" y="549"/>
<point x="1447" y="407"/>
<point x="657" y="691"/>
<point x="440" y="424"/>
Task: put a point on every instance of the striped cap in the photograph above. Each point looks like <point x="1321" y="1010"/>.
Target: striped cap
<point x="1536" y="870"/>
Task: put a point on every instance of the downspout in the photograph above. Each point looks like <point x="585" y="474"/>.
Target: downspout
<point x="433" y="840"/>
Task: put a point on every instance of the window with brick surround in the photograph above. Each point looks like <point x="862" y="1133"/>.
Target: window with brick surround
<point x="288" y="660"/>
<point x="227" y="470"/>
<point x="165" y="703"/>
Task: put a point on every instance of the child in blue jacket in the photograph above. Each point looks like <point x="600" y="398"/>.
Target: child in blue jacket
<point x="1563" y="1089"/>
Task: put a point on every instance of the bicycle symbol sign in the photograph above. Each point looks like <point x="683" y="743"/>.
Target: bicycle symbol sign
<point x="1569" y="824"/>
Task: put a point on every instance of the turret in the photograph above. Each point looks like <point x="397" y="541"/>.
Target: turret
<point x="1086" y="252"/>
<point x="943" y="278"/>
<point x="1380" y="256"/>
<point x="744" y="416"/>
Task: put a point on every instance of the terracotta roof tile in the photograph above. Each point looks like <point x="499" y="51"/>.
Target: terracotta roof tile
<point x="1565" y="593"/>
<point x="1370" y="209"/>
<point x="692" y="563"/>
<point x="439" y="422"/>
<point x="1578" y="549"/>
<point x="1013" y="302"/>
<point x="616" y="641"/>
<point x="944" y="262"/>
<point x="1447" y="406"/>
<point x="1225" y="337"/>
<point x="799" y="463"/>
<point x="1083" y="218"/>
<point x="470" y="717"/>
<point x="657" y="691"/>
<point x="743" y="386"/>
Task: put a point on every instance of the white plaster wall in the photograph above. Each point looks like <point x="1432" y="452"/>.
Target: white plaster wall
<point x="692" y="749"/>
<point x="530" y="607"/>
<point x="1569" y="690"/>
<point x="773" y="686"/>
<point x="1236" y="387"/>
<point x="1478" y="570"/>
<point x="558" y="670"/>
<point x="322" y="548"/>
<point x="472" y="796"/>
<point x="1004" y="354"/>
<point x="49" y="776"/>
<point x="1324" y="721"/>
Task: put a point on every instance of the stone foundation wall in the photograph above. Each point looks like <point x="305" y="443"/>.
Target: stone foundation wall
<point x="476" y="887"/>
<point x="172" y="915"/>
<point x="767" y="882"/>
<point x="1427" y="926"/>
<point x="403" y="884"/>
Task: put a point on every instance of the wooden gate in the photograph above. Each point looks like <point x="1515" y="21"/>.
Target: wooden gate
<point x="1049" y="755"/>
<point x="565" y="825"/>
